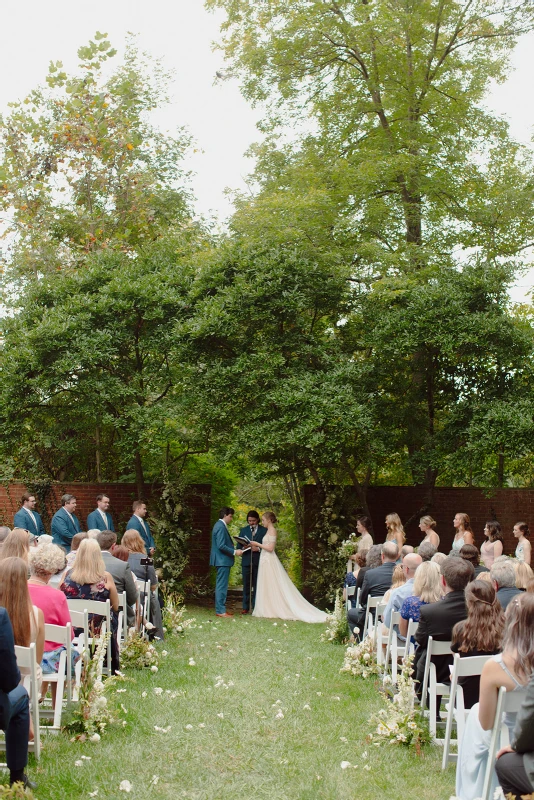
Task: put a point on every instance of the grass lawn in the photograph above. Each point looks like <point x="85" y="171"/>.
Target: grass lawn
<point x="237" y="749"/>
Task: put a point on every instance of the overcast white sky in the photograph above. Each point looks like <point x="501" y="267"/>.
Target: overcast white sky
<point x="181" y="31"/>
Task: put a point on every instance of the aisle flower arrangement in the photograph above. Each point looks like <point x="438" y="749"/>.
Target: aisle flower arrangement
<point x="93" y="715"/>
<point x="337" y="627"/>
<point x="174" y="620"/>
<point x="360" y="659"/>
<point x="138" y="652"/>
<point x="398" y="722"/>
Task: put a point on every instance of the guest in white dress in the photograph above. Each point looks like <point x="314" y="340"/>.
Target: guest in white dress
<point x="464" y="532"/>
<point x="512" y="669"/>
<point x="277" y="596"/>
<point x="523" y="549"/>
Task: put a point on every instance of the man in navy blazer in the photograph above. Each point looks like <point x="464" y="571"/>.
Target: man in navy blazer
<point x="138" y="523"/>
<point x="100" y="519"/>
<point x="27" y="517"/>
<point x="65" y="523"/>
<point x="251" y="560"/>
<point x="222" y="558"/>
<point x="14" y="706"/>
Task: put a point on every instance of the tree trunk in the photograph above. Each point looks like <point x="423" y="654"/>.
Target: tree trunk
<point x="297" y="501"/>
<point x="361" y="489"/>
<point x="139" y="476"/>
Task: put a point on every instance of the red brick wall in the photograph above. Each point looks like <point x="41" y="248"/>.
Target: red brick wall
<point x="508" y="506"/>
<point x="121" y="495"/>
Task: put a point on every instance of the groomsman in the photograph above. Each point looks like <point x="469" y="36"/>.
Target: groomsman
<point x="138" y="523"/>
<point x="100" y="518"/>
<point x="65" y="524"/>
<point x="251" y="559"/>
<point x="222" y="557"/>
<point x="27" y="517"/>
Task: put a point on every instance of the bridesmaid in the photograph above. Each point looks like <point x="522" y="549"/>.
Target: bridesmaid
<point x="523" y="549"/>
<point x="426" y="526"/>
<point x="364" y="526"/>
<point x="464" y="532"/>
<point x="395" y="530"/>
<point x="493" y="544"/>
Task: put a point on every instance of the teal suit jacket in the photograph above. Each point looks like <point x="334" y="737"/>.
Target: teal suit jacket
<point x="23" y="520"/>
<point x="222" y="546"/>
<point x="94" y="521"/>
<point x="64" y="528"/>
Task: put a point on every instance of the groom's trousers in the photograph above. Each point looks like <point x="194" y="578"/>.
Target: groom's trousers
<point x="221" y="589"/>
<point x="245" y="571"/>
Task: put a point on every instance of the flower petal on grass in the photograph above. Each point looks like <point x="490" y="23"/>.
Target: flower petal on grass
<point x="125" y="786"/>
<point x="345" y="764"/>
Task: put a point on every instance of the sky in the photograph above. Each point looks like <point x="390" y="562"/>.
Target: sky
<point x="182" y="32"/>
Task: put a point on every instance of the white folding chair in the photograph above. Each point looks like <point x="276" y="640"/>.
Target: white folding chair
<point x="376" y="604"/>
<point x="26" y="660"/>
<point x="80" y="620"/>
<point x="462" y="667"/>
<point x="103" y="608"/>
<point x="431" y="684"/>
<point x="122" y="629"/>
<point x="350" y="592"/>
<point x="62" y="635"/>
<point x="143" y="589"/>
<point x="507" y="702"/>
<point x="395" y="650"/>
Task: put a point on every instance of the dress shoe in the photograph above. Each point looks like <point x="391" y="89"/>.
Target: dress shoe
<point x="245" y="611"/>
<point x="26" y="782"/>
<point x="226" y="614"/>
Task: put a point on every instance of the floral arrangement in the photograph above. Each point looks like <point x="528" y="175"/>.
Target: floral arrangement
<point x="349" y="546"/>
<point x="16" y="792"/>
<point x="138" y="652"/>
<point x="174" y="620"/>
<point x="93" y="715"/>
<point x="337" y="627"/>
<point x="398" y="722"/>
<point x="360" y="659"/>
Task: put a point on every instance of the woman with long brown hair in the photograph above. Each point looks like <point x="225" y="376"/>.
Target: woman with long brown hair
<point x="492" y="546"/>
<point x="464" y="532"/>
<point x="480" y="634"/>
<point x="395" y="530"/>
<point x="134" y="544"/>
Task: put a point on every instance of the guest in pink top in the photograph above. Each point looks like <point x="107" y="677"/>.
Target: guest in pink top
<point x="493" y="544"/>
<point x="45" y="561"/>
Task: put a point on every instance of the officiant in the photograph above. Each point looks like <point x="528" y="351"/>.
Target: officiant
<point x="251" y="559"/>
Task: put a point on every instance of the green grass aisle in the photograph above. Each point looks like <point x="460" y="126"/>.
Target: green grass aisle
<point x="228" y="739"/>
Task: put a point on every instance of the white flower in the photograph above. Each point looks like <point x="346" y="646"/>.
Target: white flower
<point x="275" y="624"/>
<point x="125" y="786"/>
<point x="95" y="737"/>
<point x="307" y="707"/>
<point x="153" y="668"/>
<point x="280" y="715"/>
<point x="158" y="690"/>
<point x="78" y="763"/>
<point x="345" y="764"/>
<point x="189" y="727"/>
<point x="98" y="686"/>
<point x="124" y="709"/>
<point x="221" y="715"/>
<point x="164" y="653"/>
<point x="143" y="694"/>
<point x="318" y="694"/>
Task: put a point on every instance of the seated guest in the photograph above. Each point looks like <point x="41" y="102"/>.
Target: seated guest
<point x="480" y="634"/>
<point x="512" y="669"/>
<point x="399" y="593"/>
<point x="470" y="553"/>
<point x="503" y="577"/>
<point x="4" y="533"/>
<point x="45" y="561"/>
<point x="492" y="546"/>
<point x="426" y="589"/>
<point x="14" y="707"/>
<point x="92" y="533"/>
<point x="438" y="619"/>
<point x="427" y="551"/>
<point x="515" y="762"/>
<point x="119" y="551"/>
<point x="375" y="583"/>
<point x="76" y="541"/>
<point x="45" y="538"/>
<point x="397" y="579"/>
<point x="136" y="547"/>
<point x="364" y="526"/>
<point x="27" y="517"/>
<point x="359" y="560"/>
<point x="372" y="560"/>
<point x="406" y="548"/>
<point x="485" y="576"/>
<point x="523" y="574"/>
<point x="89" y="580"/>
<point x="119" y="571"/>
<point x="438" y="558"/>
<point x="16" y="545"/>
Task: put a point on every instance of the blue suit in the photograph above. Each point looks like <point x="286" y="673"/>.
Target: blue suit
<point x="64" y="528"/>
<point x="136" y="525"/>
<point x="23" y="520"/>
<point x="94" y="521"/>
<point x="14" y="701"/>
<point x="222" y="558"/>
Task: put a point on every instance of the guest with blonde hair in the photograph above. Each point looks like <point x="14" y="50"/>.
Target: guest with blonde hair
<point x="426" y="526"/>
<point x="16" y="545"/>
<point x="426" y="589"/>
<point x="464" y="532"/>
<point x="395" y="531"/>
<point x="438" y="558"/>
<point x="523" y="574"/>
<point x="88" y="579"/>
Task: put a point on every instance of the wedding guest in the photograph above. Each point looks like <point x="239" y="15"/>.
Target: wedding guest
<point x="530" y="586"/>
<point x="515" y="762"/>
<point x="16" y="545"/>
<point x="512" y="669"/>
<point x="65" y="524"/>
<point x="136" y="548"/>
<point x="523" y="574"/>
<point x="406" y="548"/>
<point x="426" y="526"/>
<point x="364" y="526"/>
<point x="359" y="560"/>
<point x="376" y="582"/>
<point x="485" y="576"/>
<point x="439" y="558"/>
<point x="119" y="551"/>
<point x="464" y="533"/>
<point x="398" y="579"/>
<point x="492" y="546"/>
<point x="27" y="517"/>
<point x="88" y="580"/>
<point x="74" y="545"/>
<point x="404" y="589"/>
<point x="4" y="533"/>
<point x="93" y="533"/>
<point x="480" y="634"/>
<point x="426" y="589"/>
<point x="395" y="531"/>
<point x="427" y="551"/>
<point x="373" y="560"/>
<point x="503" y="577"/>
<point x="523" y="550"/>
<point x="470" y="553"/>
<point x="120" y="572"/>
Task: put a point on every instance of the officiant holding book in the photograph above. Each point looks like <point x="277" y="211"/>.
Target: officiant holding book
<point x="251" y="559"/>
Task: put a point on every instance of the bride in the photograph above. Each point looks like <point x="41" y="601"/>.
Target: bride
<point x="276" y="595"/>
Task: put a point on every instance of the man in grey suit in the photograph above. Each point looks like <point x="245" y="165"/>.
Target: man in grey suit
<point x="119" y="570"/>
<point x="515" y="763"/>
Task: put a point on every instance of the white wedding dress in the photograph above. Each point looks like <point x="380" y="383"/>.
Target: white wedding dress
<point x="277" y="596"/>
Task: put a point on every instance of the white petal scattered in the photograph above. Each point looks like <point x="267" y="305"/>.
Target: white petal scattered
<point x="345" y="764"/>
<point x="125" y="786"/>
<point x="318" y="694"/>
<point x="343" y="739"/>
<point x="164" y="653"/>
<point x="78" y="763"/>
<point x="95" y="737"/>
<point x="153" y="669"/>
<point x="192" y="662"/>
<point x="189" y="727"/>
<point x="336" y="698"/>
<point x="221" y="715"/>
<point x="124" y="709"/>
<point x="162" y="730"/>
<point x="120" y="691"/>
<point x="280" y="715"/>
<point x="201" y="725"/>
<point x="275" y="624"/>
<point x="155" y="780"/>
<point x="86" y="758"/>
<point x="93" y="794"/>
<point x="307" y="707"/>
<point x="367" y="767"/>
<point x="158" y="690"/>
<point x="143" y="694"/>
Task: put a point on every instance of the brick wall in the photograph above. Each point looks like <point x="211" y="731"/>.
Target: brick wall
<point x="121" y="495"/>
<point x="508" y="506"/>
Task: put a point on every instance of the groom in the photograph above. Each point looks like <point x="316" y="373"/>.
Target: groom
<point x="251" y="559"/>
<point x="222" y="558"/>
